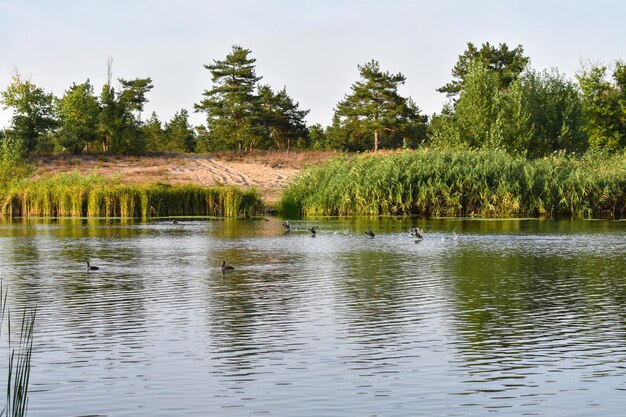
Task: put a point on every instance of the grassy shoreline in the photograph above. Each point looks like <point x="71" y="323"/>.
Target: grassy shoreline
<point x="75" y="195"/>
<point x="461" y="183"/>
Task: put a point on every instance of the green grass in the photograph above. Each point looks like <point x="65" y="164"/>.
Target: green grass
<point x="74" y="195"/>
<point x="461" y="183"/>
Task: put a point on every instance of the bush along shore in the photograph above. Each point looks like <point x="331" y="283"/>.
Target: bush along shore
<point x="462" y="183"/>
<point x="74" y="195"/>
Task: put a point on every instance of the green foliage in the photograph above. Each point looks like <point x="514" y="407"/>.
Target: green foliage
<point x="462" y="182"/>
<point x="506" y="64"/>
<point x="555" y="105"/>
<point x="13" y="165"/>
<point x="232" y="107"/>
<point x="119" y="125"/>
<point x="478" y="109"/>
<point x="604" y="106"/>
<point x="317" y="137"/>
<point x="33" y="111"/>
<point x="77" y="195"/>
<point x="178" y="134"/>
<point x="375" y="113"/>
<point x="281" y="117"/>
<point x="153" y="134"/>
<point x="78" y="110"/>
<point x="536" y="115"/>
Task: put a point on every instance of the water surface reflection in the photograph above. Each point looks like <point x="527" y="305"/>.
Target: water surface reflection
<point x="513" y="317"/>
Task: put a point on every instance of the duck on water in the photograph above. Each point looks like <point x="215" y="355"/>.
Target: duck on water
<point x="226" y="267"/>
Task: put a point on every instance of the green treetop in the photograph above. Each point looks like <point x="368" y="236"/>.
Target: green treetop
<point x="78" y="110"/>
<point x="506" y="63"/>
<point x="231" y="105"/>
<point x="282" y="117"/>
<point x="33" y="111"/>
<point x="375" y="111"/>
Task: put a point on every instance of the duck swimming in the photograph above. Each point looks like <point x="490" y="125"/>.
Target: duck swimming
<point x="370" y="233"/>
<point x="91" y="268"/>
<point x="226" y="267"/>
<point x="416" y="232"/>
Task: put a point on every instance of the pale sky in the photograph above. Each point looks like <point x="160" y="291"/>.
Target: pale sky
<point x="312" y="47"/>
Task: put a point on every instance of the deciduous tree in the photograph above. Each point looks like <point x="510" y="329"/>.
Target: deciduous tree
<point x="33" y="111"/>
<point x="78" y="110"/>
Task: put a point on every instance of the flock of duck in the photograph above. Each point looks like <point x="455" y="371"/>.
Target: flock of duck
<point x="415" y="231"/>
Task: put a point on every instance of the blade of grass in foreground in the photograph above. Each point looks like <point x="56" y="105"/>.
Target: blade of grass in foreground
<point x="20" y="356"/>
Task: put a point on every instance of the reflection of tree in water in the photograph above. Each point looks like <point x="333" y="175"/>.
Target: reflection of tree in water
<point x="376" y="298"/>
<point x="515" y="310"/>
<point x="249" y="316"/>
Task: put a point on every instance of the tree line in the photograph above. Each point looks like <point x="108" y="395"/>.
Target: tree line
<point x="495" y="101"/>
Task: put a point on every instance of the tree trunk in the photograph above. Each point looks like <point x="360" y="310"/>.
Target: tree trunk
<point x="288" y="145"/>
<point x="376" y="141"/>
<point x="239" y="144"/>
<point x="105" y="144"/>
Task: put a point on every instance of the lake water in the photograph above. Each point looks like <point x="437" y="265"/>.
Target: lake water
<point x="482" y="317"/>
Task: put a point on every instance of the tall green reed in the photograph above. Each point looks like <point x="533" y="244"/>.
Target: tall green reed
<point x="20" y="356"/>
<point x="461" y="182"/>
<point x="74" y="195"/>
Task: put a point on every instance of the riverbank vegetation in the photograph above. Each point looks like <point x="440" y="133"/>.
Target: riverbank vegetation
<point x="462" y="182"/>
<point x="519" y="140"/>
<point x="74" y="195"/>
<point x="496" y="100"/>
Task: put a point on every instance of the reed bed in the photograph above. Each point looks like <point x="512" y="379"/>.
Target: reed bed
<point x="461" y="183"/>
<point x="75" y="195"/>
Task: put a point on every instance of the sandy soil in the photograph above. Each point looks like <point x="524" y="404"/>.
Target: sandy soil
<point x="269" y="172"/>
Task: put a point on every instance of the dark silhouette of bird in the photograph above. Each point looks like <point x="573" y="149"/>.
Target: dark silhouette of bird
<point x="286" y="226"/>
<point x="370" y="233"/>
<point x="416" y="232"/>
<point x="313" y="230"/>
<point x="266" y="219"/>
<point x="91" y="268"/>
<point x="174" y="221"/>
<point x="226" y="267"/>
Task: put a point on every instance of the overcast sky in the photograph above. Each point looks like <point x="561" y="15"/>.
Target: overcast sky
<point x="311" y="47"/>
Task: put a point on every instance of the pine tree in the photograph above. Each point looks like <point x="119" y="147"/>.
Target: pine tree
<point x="507" y="63"/>
<point x="231" y="105"/>
<point x="282" y="117"/>
<point x="375" y="110"/>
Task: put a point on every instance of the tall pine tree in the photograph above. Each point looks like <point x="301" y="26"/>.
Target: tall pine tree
<point x="376" y="111"/>
<point x="231" y="105"/>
